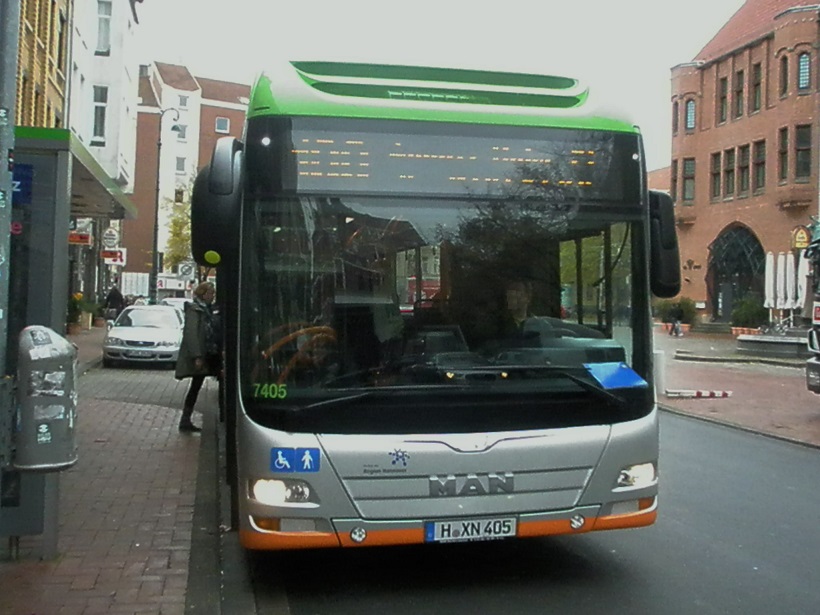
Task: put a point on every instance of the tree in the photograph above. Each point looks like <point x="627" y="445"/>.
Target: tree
<point x="178" y="248"/>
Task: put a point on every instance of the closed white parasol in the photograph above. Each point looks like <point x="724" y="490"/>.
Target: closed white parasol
<point x="769" y="282"/>
<point x="780" y="282"/>
<point x="803" y="282"/>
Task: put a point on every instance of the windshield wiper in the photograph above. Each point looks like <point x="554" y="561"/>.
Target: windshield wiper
<point x="588" y="386"/>
<point x="333" y="402"/>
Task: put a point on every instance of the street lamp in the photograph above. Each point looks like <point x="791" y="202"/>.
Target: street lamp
<point x="152" y="282"/>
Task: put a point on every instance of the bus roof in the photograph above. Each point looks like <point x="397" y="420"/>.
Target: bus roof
<point x="355" y="90"/>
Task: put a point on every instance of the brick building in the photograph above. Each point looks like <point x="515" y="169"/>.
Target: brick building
<point x="187" y="115"/>
<point x="744" y="164"/>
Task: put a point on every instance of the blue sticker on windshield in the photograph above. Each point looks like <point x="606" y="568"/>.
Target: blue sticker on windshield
<point x="615" y="375"/>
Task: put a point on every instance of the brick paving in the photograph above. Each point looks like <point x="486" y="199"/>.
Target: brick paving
<point x="126" y="507"/>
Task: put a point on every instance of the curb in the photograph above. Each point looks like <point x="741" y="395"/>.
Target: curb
<point x="738" y="426"/>
<point x="685" y="356"/>
<point x="684" y="394"/>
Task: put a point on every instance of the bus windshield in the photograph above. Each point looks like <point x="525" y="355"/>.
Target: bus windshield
<point x="405" y="305"/>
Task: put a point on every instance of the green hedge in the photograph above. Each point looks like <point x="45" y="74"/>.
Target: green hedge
<point x="663" y="310"/>
<point x="749" y="312"/>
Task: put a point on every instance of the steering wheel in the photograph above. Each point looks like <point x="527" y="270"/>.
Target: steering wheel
<point x="318" y="336"/>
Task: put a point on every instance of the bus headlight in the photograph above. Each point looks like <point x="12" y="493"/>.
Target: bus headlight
<point x="279" y="492"/>
<point x="639" y="475"/>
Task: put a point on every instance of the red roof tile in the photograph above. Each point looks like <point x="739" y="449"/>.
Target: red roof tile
<point x="224" y="91"/>
<point x="751" y="21"/>
<point x="178" y="77"/>
<point x="146" y="93"/>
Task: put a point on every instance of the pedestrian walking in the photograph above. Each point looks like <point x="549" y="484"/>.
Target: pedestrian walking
<point x="677" y="317"/>
<point x="114" y="303"/>
<point x="199" y="353"/>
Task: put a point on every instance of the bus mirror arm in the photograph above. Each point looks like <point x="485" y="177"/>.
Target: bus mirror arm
<point x="225" y="166"/>
<point x="664" y="267"/>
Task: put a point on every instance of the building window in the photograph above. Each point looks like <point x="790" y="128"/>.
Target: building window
<point x="759" y="153"/>
<point x="179" y="195"/>
<point x="743" y="170"/>
<point x="784" y="76"/>
<point x="675" y="111"/>
<point x="716" y="170"/>
<point x="103" y="27"/>
<point x="757" y="88"/>
<point x="180" y="164"/>
<point x="223" y="124"/>
<point x="61" y="42"/>
<point x="802" y="152"/>
<point x="182" y="132"/>
<point x="688" y="179"/>
<point x="183" y="102"/>
<point x="803" y="71"/>
<point x="690" y="115"/>
<point x="728" y="172"/>
<point x="783" y="155"/>
<point x="673" y="183"/>
<point x="739" y="83"/>
<point x="100" y="106"/>
<point x="723" y="100"/>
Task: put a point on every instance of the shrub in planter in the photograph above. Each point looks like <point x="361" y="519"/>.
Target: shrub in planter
<point x="749" y="313"/>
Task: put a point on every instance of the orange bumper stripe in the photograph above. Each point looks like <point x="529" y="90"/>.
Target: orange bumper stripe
<point x="376" y="538"/>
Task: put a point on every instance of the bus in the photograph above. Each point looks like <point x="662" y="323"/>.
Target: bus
<point x="436" y="290"/>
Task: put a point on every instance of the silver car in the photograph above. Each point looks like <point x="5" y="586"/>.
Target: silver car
<point x="144" y="334"/>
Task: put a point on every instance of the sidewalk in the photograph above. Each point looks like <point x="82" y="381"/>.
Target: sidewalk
<point x="126" y="516"/>
<point x="126" y="508"/>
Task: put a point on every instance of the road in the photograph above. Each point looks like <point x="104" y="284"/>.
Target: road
<point x="737" y="533"/>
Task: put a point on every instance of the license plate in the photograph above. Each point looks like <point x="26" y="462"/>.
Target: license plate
<point x="463" y="530"/>
<point x="139" y="353"/>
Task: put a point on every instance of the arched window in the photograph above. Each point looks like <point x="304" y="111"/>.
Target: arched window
<point x="803" y="71"/>
<point x="690" y="114"/>
<point x="784" y="75"/>
<point x="675" y="112"/>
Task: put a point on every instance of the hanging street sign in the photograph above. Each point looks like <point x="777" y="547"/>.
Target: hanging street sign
<point x="114" y="257"/>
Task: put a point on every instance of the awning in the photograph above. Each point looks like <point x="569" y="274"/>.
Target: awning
<point x="93" y="193"/>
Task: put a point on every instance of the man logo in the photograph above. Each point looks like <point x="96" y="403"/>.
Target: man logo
<point x="471" y="484"/>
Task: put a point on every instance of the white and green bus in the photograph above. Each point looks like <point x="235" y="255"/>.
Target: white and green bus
<point x="436" y="292"/>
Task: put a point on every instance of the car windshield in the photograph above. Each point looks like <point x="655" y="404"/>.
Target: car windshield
<point x="160" y="319"/>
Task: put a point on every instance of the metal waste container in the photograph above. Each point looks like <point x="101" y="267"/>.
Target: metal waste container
<point x="46" y="401"/>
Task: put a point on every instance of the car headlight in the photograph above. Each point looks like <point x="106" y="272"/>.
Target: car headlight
<point x="113" y="341"/>
<point x="167" y="343"/>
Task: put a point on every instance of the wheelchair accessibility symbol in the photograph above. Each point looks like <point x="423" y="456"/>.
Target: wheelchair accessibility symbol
<point x="295" y="459"/>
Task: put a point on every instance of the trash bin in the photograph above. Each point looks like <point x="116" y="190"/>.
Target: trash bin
<point x="46" y="401"/>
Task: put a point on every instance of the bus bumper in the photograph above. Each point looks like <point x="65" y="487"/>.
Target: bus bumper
<point x="267" y="534"/>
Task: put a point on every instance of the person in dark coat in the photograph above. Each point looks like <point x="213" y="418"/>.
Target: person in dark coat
<point x="199" y="354"/>
<point x="114" y="303"/>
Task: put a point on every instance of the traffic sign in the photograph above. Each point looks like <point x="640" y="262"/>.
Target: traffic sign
<point x="110" y="237"/>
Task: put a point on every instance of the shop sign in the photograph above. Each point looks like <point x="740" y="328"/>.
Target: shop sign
<point x="801" y="237"/>
<point x="75" y="238"/>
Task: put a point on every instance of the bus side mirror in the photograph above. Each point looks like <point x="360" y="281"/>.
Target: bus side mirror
<point x="664" y="259"/>
<point x="215" y="205"/>
<point x="813" y="342"/>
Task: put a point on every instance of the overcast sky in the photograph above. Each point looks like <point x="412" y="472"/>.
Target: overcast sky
<point x="625" y="46"/>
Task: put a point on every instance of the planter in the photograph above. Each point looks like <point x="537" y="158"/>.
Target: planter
<point x="744" y="331"/>
<point x="99" y="321"/>
<point x="73" y="328"/>
<point x="86" y="319"/>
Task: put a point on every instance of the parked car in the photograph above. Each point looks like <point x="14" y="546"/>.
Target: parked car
<point x="177" y="302"/>
<point x="144" y="334"/>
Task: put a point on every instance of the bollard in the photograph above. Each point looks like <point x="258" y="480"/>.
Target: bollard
<point x="659" y="373"/>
